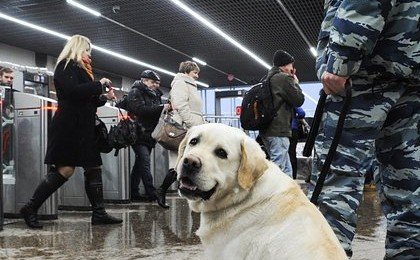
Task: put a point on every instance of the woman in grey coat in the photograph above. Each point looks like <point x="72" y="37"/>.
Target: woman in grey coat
<point x="186" y="105"/>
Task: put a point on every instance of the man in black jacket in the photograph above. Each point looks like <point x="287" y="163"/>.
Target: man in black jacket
<point x="145" y="105"/>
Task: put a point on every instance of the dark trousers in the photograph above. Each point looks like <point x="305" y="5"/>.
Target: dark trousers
<point x="141" y="171"/>
<point x="292" y="151"/>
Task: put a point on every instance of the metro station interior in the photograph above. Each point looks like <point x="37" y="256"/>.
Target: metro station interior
<point x="232" y="42"/>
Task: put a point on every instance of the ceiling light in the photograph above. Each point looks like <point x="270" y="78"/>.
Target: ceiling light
<point x="109" y="52"/>
<point x="132" y="60"/>
<point x="227" y="37"/>
<point x="199" y="61"/>
<point x="84" y="8"/>
<point x="141" y="63"/>
<point x="220" y="32"/>
<point x="33" y="26"/>
<point x="27" y="68"/>
<point x="313" y="51"/>
<point x="116" y="9"/>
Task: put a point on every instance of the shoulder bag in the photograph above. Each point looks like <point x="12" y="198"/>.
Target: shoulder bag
<point x="169" y="133"/>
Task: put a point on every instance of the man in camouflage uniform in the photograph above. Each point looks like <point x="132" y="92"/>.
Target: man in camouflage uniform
<point x="375" y="44"/>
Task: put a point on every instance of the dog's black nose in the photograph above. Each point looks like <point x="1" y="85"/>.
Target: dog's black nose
<point x="191" y="164"/>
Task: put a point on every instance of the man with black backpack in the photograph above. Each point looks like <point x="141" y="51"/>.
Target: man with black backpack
<point x="286" y="95"/>
<point x="144" y="104"/>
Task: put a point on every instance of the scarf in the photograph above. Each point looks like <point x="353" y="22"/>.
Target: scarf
<point x="87" y="64"/>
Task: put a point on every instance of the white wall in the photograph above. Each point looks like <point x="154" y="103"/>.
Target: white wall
<point x="51" y="63"/>
<point x="16" y="55"/>
<point x="126" y="83"/>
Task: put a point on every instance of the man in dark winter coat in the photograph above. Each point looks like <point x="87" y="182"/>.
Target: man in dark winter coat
<point x="145" y="105"/>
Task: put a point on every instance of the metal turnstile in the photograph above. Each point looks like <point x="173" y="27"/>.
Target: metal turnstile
<point x="115" y="173"/>
<point x="32" y="115"/>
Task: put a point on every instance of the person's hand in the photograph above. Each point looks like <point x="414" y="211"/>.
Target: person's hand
<point x="110" y="95"/>
<point x="333" y="84"/>
<point x="296" y="79"/>
<point x="292" y="73"/>
<point x="305" y="123"/>
<point x="167" y="107"/>
<point x="105" y="81"/>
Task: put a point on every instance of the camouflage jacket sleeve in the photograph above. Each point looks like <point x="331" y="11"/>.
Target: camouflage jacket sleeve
<point x="348" y="33"/>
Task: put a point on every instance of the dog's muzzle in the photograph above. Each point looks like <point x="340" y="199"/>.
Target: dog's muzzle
<point x="191" y="165"/>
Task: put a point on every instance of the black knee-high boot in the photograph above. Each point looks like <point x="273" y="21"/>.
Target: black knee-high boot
<point x="94" y="191"/>
<point x="161" y="191"/>
<point x="48" y="186"/>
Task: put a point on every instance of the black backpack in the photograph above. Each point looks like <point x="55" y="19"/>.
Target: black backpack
<point x="123" y="134"/>
<point x="258" y="108"/>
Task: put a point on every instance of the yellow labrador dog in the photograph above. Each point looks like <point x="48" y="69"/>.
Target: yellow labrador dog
<point x="249" y="208"/>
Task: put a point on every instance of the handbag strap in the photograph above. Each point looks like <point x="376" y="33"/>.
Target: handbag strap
<point x="122" y="115"/>
<point x="166" y="114"/>
<point x="122" y="118"/>
<point x="169" y="114"/>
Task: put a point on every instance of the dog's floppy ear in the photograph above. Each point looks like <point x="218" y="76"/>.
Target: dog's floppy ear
<point x="181" y="148"/>
<point x="253" y="163"/>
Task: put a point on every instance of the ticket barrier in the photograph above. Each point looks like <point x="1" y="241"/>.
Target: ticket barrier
<point x="32" y="115"/>
<point x="115" y="173"/>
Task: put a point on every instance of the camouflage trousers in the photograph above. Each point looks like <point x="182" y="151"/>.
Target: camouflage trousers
<point x="381" y="133"/>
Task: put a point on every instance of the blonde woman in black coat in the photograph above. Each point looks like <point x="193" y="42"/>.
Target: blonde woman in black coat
<point x="71" y="142"/>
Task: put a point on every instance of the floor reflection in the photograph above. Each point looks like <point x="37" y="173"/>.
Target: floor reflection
<point x="149" y="232"/>
<point x="369" y="241"/>
<point x="370" y="215"/>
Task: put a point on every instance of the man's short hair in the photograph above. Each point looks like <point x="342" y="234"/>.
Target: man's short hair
<point x="188" y="66"/>
<point x="4" y="70"/>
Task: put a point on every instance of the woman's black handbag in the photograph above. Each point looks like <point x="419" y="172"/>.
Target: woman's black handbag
<point x="101" y="133"/>
<point x="123" y="134"/>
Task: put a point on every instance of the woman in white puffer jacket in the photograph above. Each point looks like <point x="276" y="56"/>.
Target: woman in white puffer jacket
<point x="187" y="106"/>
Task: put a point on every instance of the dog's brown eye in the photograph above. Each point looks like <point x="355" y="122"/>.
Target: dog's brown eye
<point x="194" y="141"/>
<point x="221" y="153"/>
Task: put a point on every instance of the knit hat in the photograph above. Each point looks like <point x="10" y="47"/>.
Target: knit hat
<point x="150" y="74"/>
<point x="282" y="58"/>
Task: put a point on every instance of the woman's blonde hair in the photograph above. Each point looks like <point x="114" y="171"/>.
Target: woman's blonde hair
<point x="188" y="66"/>
<point x="74" y="49"/>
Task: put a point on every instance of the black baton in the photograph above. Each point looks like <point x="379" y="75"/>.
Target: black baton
<point x="336" y="139"/>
